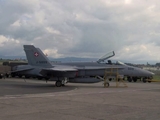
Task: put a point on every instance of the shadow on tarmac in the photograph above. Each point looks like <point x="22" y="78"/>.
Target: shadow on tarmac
<point x="20" y="88"/>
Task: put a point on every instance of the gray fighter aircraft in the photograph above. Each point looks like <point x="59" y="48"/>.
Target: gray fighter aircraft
<point x="78" y="72"/>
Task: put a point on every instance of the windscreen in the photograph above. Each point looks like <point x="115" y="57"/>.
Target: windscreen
<point x="120" y="63"/>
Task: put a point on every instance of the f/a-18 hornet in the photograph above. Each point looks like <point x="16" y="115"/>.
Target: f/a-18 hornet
<point x="78" y="72"/>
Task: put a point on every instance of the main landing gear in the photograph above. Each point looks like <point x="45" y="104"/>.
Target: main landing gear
<point x="60" y="83"/>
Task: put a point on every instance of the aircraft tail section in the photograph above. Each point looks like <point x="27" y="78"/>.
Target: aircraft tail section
<point x="36" y="57"/>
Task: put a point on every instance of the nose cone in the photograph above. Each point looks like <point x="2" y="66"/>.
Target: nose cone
<point x="148" y="73"/>
<point x="152" y="73"/>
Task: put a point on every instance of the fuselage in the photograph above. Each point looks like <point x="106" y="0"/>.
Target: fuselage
<point x="92" y="68"/>
<point x="86" y="71"/>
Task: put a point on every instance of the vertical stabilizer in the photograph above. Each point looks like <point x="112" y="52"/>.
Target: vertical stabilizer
<point x="36" y="57"/>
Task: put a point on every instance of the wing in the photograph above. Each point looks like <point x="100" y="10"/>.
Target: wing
<point x="22" y="70"/>
<point x="59" y="71"/>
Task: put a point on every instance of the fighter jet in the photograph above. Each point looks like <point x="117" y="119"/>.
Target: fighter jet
<point x="77" y="72"/>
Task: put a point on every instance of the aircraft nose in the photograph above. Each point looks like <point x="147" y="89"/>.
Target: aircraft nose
<point x="152" y="73"/>
<point x="148" y="73"/>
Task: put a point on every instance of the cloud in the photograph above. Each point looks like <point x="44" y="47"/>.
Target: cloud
<point x="8" y="44"/>
<point x="82" y="28"/>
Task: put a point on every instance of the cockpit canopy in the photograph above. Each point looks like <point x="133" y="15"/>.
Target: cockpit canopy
<point x="106" y="56"/>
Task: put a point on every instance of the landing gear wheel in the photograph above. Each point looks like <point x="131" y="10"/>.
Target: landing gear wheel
<point x="134" y="80"/>
<point x="144" y="80"/>
<point x="7" y="75"/>
<point x="19" y="76"/>
<point x="39" y="78"/>
<point x="106" y="84"/>
<point x="129" y="79"/>
<point x="13" y="75"/>
<point x="58" y="83"/>
<point x="46" y="78"/>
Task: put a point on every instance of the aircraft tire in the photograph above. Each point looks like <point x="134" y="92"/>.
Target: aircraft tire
<point x="7" y="75"/>
<point x="134" y="79"/>
<point x="144" y="80"/>
<point x="58" y="83"/>
<point x="19" y="76"/>
<point x="129" y="79"/>
<point x="110" y="79"/>
<point x="46" y="78"/>
<point x="39" y="78"/>
<point x="13" y="75"/>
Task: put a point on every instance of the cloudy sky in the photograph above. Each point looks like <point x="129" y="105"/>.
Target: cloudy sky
<point x="85" y="28"/>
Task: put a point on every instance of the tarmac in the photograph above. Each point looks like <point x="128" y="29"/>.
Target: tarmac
<point x="37" y="100"/>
